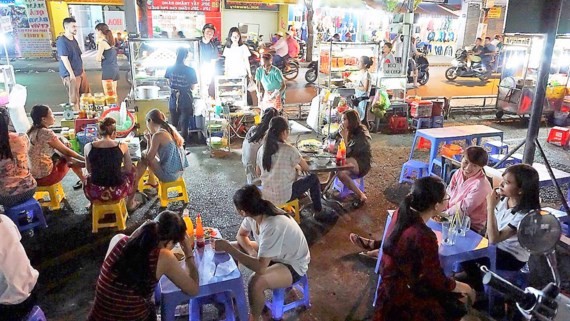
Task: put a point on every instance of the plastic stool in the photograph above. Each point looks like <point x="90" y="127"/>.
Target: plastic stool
<point x="142" y="185"/>
<point x="420" y="123"/>
<point x="344" y="190"/>
<point x="413" y="166"/>
<point x="559" y="136"/>
<point x="514" y="159"/>
<point x="179" y="185"/>
<point x="437" y="122"/>
<point x="119" y="208"/>
<point x="29" y="212"/>
<point x="436" y="162"/>
<point x="36" y="315"/>
<point x="292" y="207"/>
<point x="54" y="192"/>
<point x="277" y="304"/>
<point x="424" y="143"/>
<point x="496" y="147"/>
<point x="195" y="305"/>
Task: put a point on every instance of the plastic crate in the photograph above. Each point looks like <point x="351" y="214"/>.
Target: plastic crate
<point x="421" y="109"/>
<point x="421" y="123"/>
<point x="437" y="122"/>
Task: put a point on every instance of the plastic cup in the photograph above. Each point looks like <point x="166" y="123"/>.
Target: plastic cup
<point x="448" y="233"/>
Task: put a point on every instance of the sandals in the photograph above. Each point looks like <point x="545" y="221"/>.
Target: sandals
<point x="369" y="254"/>
<point x="361" y="242"/>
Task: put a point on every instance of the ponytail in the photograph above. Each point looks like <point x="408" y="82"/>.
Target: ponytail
<point x="157" y="117"/>
<point x="249" y="199"/>
<point x="277" y="126"/>
<point x="37" y="114"/>
<point x="260" y="130"/>
<point x="5" y="150"/>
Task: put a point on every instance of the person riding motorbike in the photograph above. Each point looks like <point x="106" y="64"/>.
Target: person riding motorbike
<point x="488" y="54"/>
<point x="281" y="51"/>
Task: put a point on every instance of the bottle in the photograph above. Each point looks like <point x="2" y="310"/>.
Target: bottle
<point x="341" y="153"/>
<point x="189" y="225"/>
<point x="200" y="242"/>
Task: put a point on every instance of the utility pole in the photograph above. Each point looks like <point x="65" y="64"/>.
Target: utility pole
<point x="550" y="18"/>
<point x="407" y="33"/>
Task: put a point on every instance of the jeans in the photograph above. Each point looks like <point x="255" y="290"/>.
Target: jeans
<point x="279" y="61"/>
<point x="312" y="184"/>
<point x="181" y="107"/>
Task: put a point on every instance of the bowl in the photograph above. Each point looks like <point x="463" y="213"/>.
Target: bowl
<point x="322" y="161"/>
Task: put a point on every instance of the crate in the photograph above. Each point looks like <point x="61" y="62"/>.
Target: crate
<point x="437" y="109"/>
<point x="437" y="122"/>
<point x="421" y="123"/>
<point x="421" y="109"/>
<point x="398" y="124"/>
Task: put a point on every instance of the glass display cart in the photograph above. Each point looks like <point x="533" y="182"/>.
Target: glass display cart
<point x="149" y="60"/>
<point x="521" y="60"/>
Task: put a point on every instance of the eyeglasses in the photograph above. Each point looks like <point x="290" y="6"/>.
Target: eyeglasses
<point x="447" y="198"/>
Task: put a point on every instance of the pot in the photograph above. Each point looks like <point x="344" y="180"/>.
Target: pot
<point x="147" y="92"/>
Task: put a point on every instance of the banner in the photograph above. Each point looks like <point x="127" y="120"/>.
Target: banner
<point x="101" y="2"/>
<point x="115" y="20"/>
<point x="35" y="40"/>
<point x="185" y="5"/>
<point x="240" y="5"/>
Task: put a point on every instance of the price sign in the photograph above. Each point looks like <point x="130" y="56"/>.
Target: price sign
<point x="494" y="13"/>
<point x="185" y="5"/>
<point x="6" y="24"/>
<point x="392" y="69"/>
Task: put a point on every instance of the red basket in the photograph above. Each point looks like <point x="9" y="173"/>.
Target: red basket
<point x="123" y="133"/>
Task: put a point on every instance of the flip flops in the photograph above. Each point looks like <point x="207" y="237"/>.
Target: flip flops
<point x="363" y="243"/>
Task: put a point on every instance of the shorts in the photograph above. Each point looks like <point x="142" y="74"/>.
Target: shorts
<point x="110" y="74"/>
<point x="165" y="176"/>
<point x="58" y="172"/>
<point x="111" y="193"/>
<point x="76" y="88"/>
<point x="294" y="275"/>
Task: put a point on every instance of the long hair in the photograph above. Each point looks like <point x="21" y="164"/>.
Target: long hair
<point x="107" y="126"/>
<point x="426" y="192"/>
<point x="5" y="150"/>
<point x="526" y="178"/>
<point x="132" y="267"/>
<point x="248" y="199"/>
<point x="181" y="54"/>
<point x="272" y="139"/>
<point x="104" y="28"/>
<point x="260" y="130"/>
<point x="157" y="117"/>
<point x="229" y="39"/>
<point x="37" y="114"/>
<point x="355" y="127"/>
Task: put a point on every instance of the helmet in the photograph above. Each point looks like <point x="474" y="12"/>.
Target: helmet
<point x="208" y="26"/>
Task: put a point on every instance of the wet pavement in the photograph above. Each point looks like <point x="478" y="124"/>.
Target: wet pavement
<point x="342" y="282"/>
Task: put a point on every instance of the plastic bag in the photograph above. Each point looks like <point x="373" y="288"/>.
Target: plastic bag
<point x="383" y="103"/>
<point x="16" y="109"/>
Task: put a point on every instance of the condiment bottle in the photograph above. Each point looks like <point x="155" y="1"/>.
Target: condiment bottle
<point x="189" y="225"/>
<point x="200" y="242"/>
<point x="341" y="153"/>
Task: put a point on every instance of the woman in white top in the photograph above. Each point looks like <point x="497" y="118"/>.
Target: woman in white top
<point x="236" y="55"/>
<point x="362" y="89"/>
<point x="252" y="142"/>
<point x="279" y="255"/>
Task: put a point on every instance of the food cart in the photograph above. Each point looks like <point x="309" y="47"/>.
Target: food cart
<point x="149" y="60"/>
<point x="521" y="60"/>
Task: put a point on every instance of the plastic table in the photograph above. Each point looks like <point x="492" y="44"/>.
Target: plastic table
<point x="210" y="284"/>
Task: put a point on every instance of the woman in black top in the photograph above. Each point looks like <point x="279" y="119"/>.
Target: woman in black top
<point x="111" y="172"/>
<point x="107" y="55"/>
<point x="358" y="153"/>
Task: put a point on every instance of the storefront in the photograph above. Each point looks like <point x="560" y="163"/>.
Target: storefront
<point x="437" y="27"/>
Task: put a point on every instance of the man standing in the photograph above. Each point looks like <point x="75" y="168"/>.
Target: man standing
<point x="293" y="45"/>
<point x="208" y="58"/>
<point x="70" y="63"/>
<point x="281" y="51"/>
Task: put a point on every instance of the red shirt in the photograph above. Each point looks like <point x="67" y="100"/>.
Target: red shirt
<point x="293" y="46"/>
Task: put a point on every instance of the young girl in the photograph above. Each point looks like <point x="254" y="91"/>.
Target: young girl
<point x="107" y="55"/>
<point x="279" y="255"/>
<point x="506" y="207"/>
<point x="50" y="157"/>
<point x="236" y="56"/>
<point x="252" y="142"/>
<point x="362" y="89"/>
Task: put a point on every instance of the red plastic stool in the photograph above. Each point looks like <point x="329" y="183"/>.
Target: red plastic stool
<point x="424" y="143"/>
<point x="558" y="136"/>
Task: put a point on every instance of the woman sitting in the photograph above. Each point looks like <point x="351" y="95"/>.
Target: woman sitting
<point x="134" y="264"/>
<point x="276" y="165"/>
<point x="111" y="172"/>
<point x="358" y="152"/>
<point x="166" y="143"/>
<point x="16" y="182"/>
<point x="278" y="256"/>
<point x="252" y="142"/>
<point x="413" y="283"/>
<point x="469" y="188"/>
<point x="50" y="157"/>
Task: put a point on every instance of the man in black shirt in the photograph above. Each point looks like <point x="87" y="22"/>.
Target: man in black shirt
<point x="208" y="57"/>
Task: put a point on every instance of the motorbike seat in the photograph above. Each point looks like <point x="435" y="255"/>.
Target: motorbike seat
<point x="475" y="58"/>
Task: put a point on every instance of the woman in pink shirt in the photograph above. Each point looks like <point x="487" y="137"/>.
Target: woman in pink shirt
<point x="469" y="188"/>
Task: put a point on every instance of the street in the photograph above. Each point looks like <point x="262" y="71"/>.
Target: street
<point x="298" y="91"/>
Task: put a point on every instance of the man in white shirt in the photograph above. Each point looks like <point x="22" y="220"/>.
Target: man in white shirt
<point x="281" y="51"/>
<point x="17" y="277"/>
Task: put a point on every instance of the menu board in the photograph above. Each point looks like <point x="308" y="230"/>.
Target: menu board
<point x="35" y="40"/>
<point x="185" y="5"/>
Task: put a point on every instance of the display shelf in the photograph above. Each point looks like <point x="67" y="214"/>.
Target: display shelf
<point x="227" y="88"/>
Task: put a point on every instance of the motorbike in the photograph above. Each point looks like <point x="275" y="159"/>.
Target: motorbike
<point x="90" y="42"/>
<point x="461" y="68"/>
<point x="423" y="69"/>
<point x="290" y="69"/>
<point x="302" y="48"/>
<point x="312" y="72"/>
<point x="538" y="233"/>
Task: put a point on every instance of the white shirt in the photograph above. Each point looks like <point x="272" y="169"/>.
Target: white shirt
<point x="17" y="276"/>
<point x="249" y="150"/>
<point x="281" y="47"/>
<point x="278" y="182"/>
<point x="235" y="64"/>
<point x="505" y="218"/>
<point x="281" y="239"/>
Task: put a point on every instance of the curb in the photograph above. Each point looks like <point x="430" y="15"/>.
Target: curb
<point x="55" y="69"/>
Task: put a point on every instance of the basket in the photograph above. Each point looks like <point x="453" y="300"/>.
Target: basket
<point x="88" y="135"/>
<point x="127" y="127"/>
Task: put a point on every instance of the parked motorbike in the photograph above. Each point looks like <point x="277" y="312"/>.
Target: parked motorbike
<point x="312" y="72"/>
<point x="90" y="42"/>
<point x="423" y="69"/>
<point x="461" y="67"/>
<point x="538" y="233"/>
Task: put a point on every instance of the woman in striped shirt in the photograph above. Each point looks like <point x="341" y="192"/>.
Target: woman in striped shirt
<point x="135" y="263"/>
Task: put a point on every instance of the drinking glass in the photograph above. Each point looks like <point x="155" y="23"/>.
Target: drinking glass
<point x="448" y="233"/>
<point x="464" y="225"/>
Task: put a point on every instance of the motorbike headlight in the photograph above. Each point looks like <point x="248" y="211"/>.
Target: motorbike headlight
<point x="455" y="63"/>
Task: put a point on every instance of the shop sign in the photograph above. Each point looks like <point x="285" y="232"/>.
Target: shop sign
<point x="391" y="69"/>
<point x="6" y="24"/>
<point x="101" y="2"/>
<point x="185" y="5"/>
<point x="517" y="41"/>
<point x="115" y="20"/>
<point x="274" y="1"/>
<point x="240" y="5"/>
<point x="35" y="43"/>
<point x="494" y="13"/>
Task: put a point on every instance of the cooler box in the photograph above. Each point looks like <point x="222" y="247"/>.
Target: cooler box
<point x="421" y="109"/>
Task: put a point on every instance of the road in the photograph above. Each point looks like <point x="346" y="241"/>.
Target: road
<point x="46" y="87"/>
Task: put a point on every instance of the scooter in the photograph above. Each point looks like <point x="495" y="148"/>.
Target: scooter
<point x="538" y="233"/>
<point x="423" y="69"/>
<point x="290" y="69"/>
<point x="313" y="72"/>
<point x="90" y="42"/>
<point x="461" y="68"/>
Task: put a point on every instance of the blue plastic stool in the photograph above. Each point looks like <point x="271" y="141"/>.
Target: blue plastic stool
<point x="277" y="304"/>
<point x="496" y="147"/>
<point x="30" y="212"/>
<point x="437" y="122"/>
<point x="195" y="306"/>
<point x="411" y="167"/>
<point x="36" y="315"/>
<point x="514" y="159"/>
<point x="344" y="190"/>
<point x="420" y="123"/>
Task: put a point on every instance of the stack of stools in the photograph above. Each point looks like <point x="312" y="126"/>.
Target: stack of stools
<point x="54" y="192"/>
<point x="118" y="208"/>
<point x="421" y="113"/>
<point x="413" y="169"/>
<point x="178" y="185"/>
<point x="559" y="136"/>
<point x="437" y="114"/>
<point x="277" y="304"/>
<point x="27" y="215"/>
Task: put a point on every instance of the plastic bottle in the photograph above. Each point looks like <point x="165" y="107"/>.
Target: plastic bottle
<point x="341" y="153"/>
<point x="189" y="225"/>
<point x="200" y="242"/>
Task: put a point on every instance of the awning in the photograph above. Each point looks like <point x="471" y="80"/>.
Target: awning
<point x="432" y="9"/>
